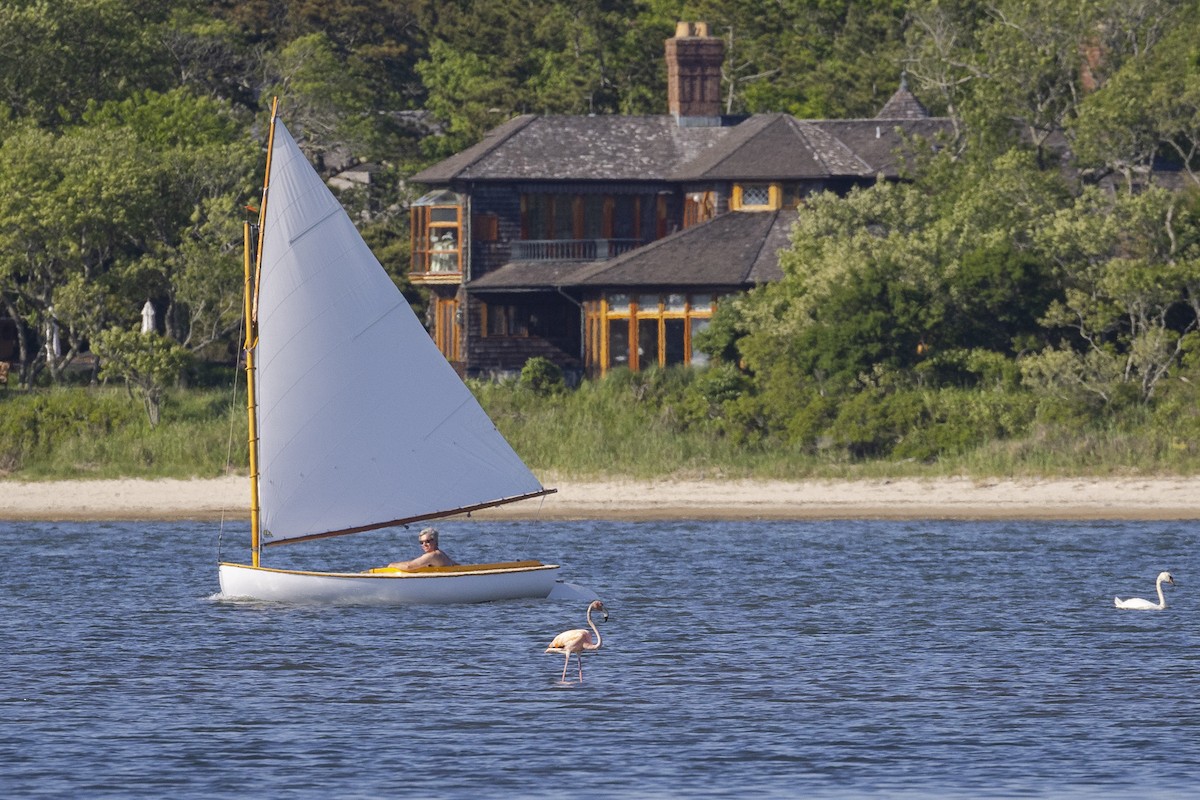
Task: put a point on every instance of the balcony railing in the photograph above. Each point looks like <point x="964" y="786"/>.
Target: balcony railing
<point x="570" y="249"/>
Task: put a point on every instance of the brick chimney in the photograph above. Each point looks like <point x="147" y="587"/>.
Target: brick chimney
<point x="694" y="74"/>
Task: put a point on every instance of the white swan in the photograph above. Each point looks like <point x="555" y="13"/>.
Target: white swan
<point x="1145" y="605"/>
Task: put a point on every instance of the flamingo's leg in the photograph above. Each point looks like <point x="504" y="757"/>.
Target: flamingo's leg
<point x="566" y="664"/>
<point x="579" y="659"/>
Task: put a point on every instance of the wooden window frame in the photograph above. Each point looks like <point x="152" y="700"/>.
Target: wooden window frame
<point x="774" y="197"/>
<point x="545" y="226"/>
<point x="698" y="207"/>
<point x="423" y="229"/>
<point x="512" y="324"/>
<point x="600" y="314"/>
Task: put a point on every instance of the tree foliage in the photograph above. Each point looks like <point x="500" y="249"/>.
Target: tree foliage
<point x="147" y="363"/>
<point x="57" y="57"/>
<point x="1046" y="257"/>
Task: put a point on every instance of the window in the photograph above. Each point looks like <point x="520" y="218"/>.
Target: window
<point x="770" y="196"/>
<point x="583" y="216"/>
<point x="627" y="217"/>
<point x="505" y="320"/>
<point x="794" y="194"/>
<point x="618" y="342"/>
<point x="699" y="358"/>
<point x="593" y="222"/>
<point x="485" y="227"/>
<point x="698" y="207"/>
<point x="518" y="319"/>
<point x="647" y="330"/>
<point x="756" y="196"/>
<point x="437" y="233"/>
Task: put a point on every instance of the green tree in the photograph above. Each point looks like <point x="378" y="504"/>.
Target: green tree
<point x="467" y="93"/>
<point x="1133" y="301"/>
<point x="324" y="103"/>
<point x="147" y="363"/>
<point x="1021" y="72"/>
<point x="1149" y="102"/>
<point x="56" y="57"/>
<point x="901" y="284"/>
<point x="70" y="207"/>
<point x="811" y="58"/>
<point x="488" y="62"/>
<point x="377" y="42"/>
<point x="138" y="200"/>
<point x="190" y="248"/>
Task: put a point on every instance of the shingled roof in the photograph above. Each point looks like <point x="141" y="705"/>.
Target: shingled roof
<point x="657" y="148"/>
<point x="530" y="275"/>
<point x="883" y="143"/>
<point x="736" y="250"/>
<point x="903" y="104"/>
<point x="774" y="147"/>
<point x="609" y="148"/>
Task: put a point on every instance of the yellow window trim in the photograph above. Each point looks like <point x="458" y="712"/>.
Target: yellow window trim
<point x="774" y="198"/>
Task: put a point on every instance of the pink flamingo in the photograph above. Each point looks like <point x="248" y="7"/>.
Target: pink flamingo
<point x="578" y="640"/>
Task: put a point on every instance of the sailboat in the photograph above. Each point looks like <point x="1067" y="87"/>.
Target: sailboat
<point x="357" y="422"/>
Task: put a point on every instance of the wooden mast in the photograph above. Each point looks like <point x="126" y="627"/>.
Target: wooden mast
<point x="251" y="313"/>
<point x="248" y="348"/>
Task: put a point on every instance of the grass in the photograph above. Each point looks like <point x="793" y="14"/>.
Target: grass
<point x="104" y="433"/>
<point x="598" y="431"/>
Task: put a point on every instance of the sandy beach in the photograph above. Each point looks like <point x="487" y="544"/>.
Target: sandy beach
<point x="951" y="498"/>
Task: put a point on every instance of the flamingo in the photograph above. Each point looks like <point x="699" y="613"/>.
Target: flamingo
<point x="1145" y="605"/>
<point x="578" y="640"/>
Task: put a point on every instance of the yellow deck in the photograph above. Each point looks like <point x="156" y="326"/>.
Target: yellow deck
<point x="499" y="565"/>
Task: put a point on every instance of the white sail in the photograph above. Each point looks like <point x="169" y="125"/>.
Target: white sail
<point x="361" y="420"/>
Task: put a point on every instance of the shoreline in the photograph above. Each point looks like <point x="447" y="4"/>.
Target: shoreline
<point x="1158" y="498"/>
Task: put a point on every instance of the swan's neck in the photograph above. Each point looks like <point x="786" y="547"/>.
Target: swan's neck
<point x="1162" y="601"/>
<point x="596" y="630"/>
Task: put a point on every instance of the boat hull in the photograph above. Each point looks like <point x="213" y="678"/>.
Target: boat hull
<point x="387" y="587"/>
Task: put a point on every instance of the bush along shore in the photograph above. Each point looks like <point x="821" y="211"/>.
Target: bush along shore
<point x="676" y="423"/>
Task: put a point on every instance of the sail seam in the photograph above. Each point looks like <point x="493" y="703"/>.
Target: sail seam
<point x="309" y="229"/>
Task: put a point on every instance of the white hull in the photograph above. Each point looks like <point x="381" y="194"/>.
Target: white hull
<point x="239" y="581"/>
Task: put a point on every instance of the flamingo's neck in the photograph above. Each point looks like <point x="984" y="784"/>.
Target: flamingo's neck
<point x="596" y="630"/>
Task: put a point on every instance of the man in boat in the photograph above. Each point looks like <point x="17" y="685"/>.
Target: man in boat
<point x="432" y="555"/>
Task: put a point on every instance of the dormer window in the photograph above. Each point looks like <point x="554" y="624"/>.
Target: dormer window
<point x="755" y="196"/>
<point x="769" y="196"/>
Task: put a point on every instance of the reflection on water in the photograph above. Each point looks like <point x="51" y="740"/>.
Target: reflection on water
<point x="775" y="659"/>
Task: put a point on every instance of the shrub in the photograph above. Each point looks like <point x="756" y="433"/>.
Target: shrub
<point x="542" y="376"/>
<point x="34" y="425"/>
<point x="870" y="423"/>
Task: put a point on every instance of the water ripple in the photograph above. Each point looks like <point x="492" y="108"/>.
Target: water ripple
<point x="823" y="659"/>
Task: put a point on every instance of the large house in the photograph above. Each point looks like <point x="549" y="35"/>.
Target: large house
<point x="606" y="241"/>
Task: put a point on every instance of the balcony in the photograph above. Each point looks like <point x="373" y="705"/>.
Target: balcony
<point x="570" y="249"/>
<point x="442" y="268"/>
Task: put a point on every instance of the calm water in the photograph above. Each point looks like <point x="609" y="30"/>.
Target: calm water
<point x="818" y="659"/>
